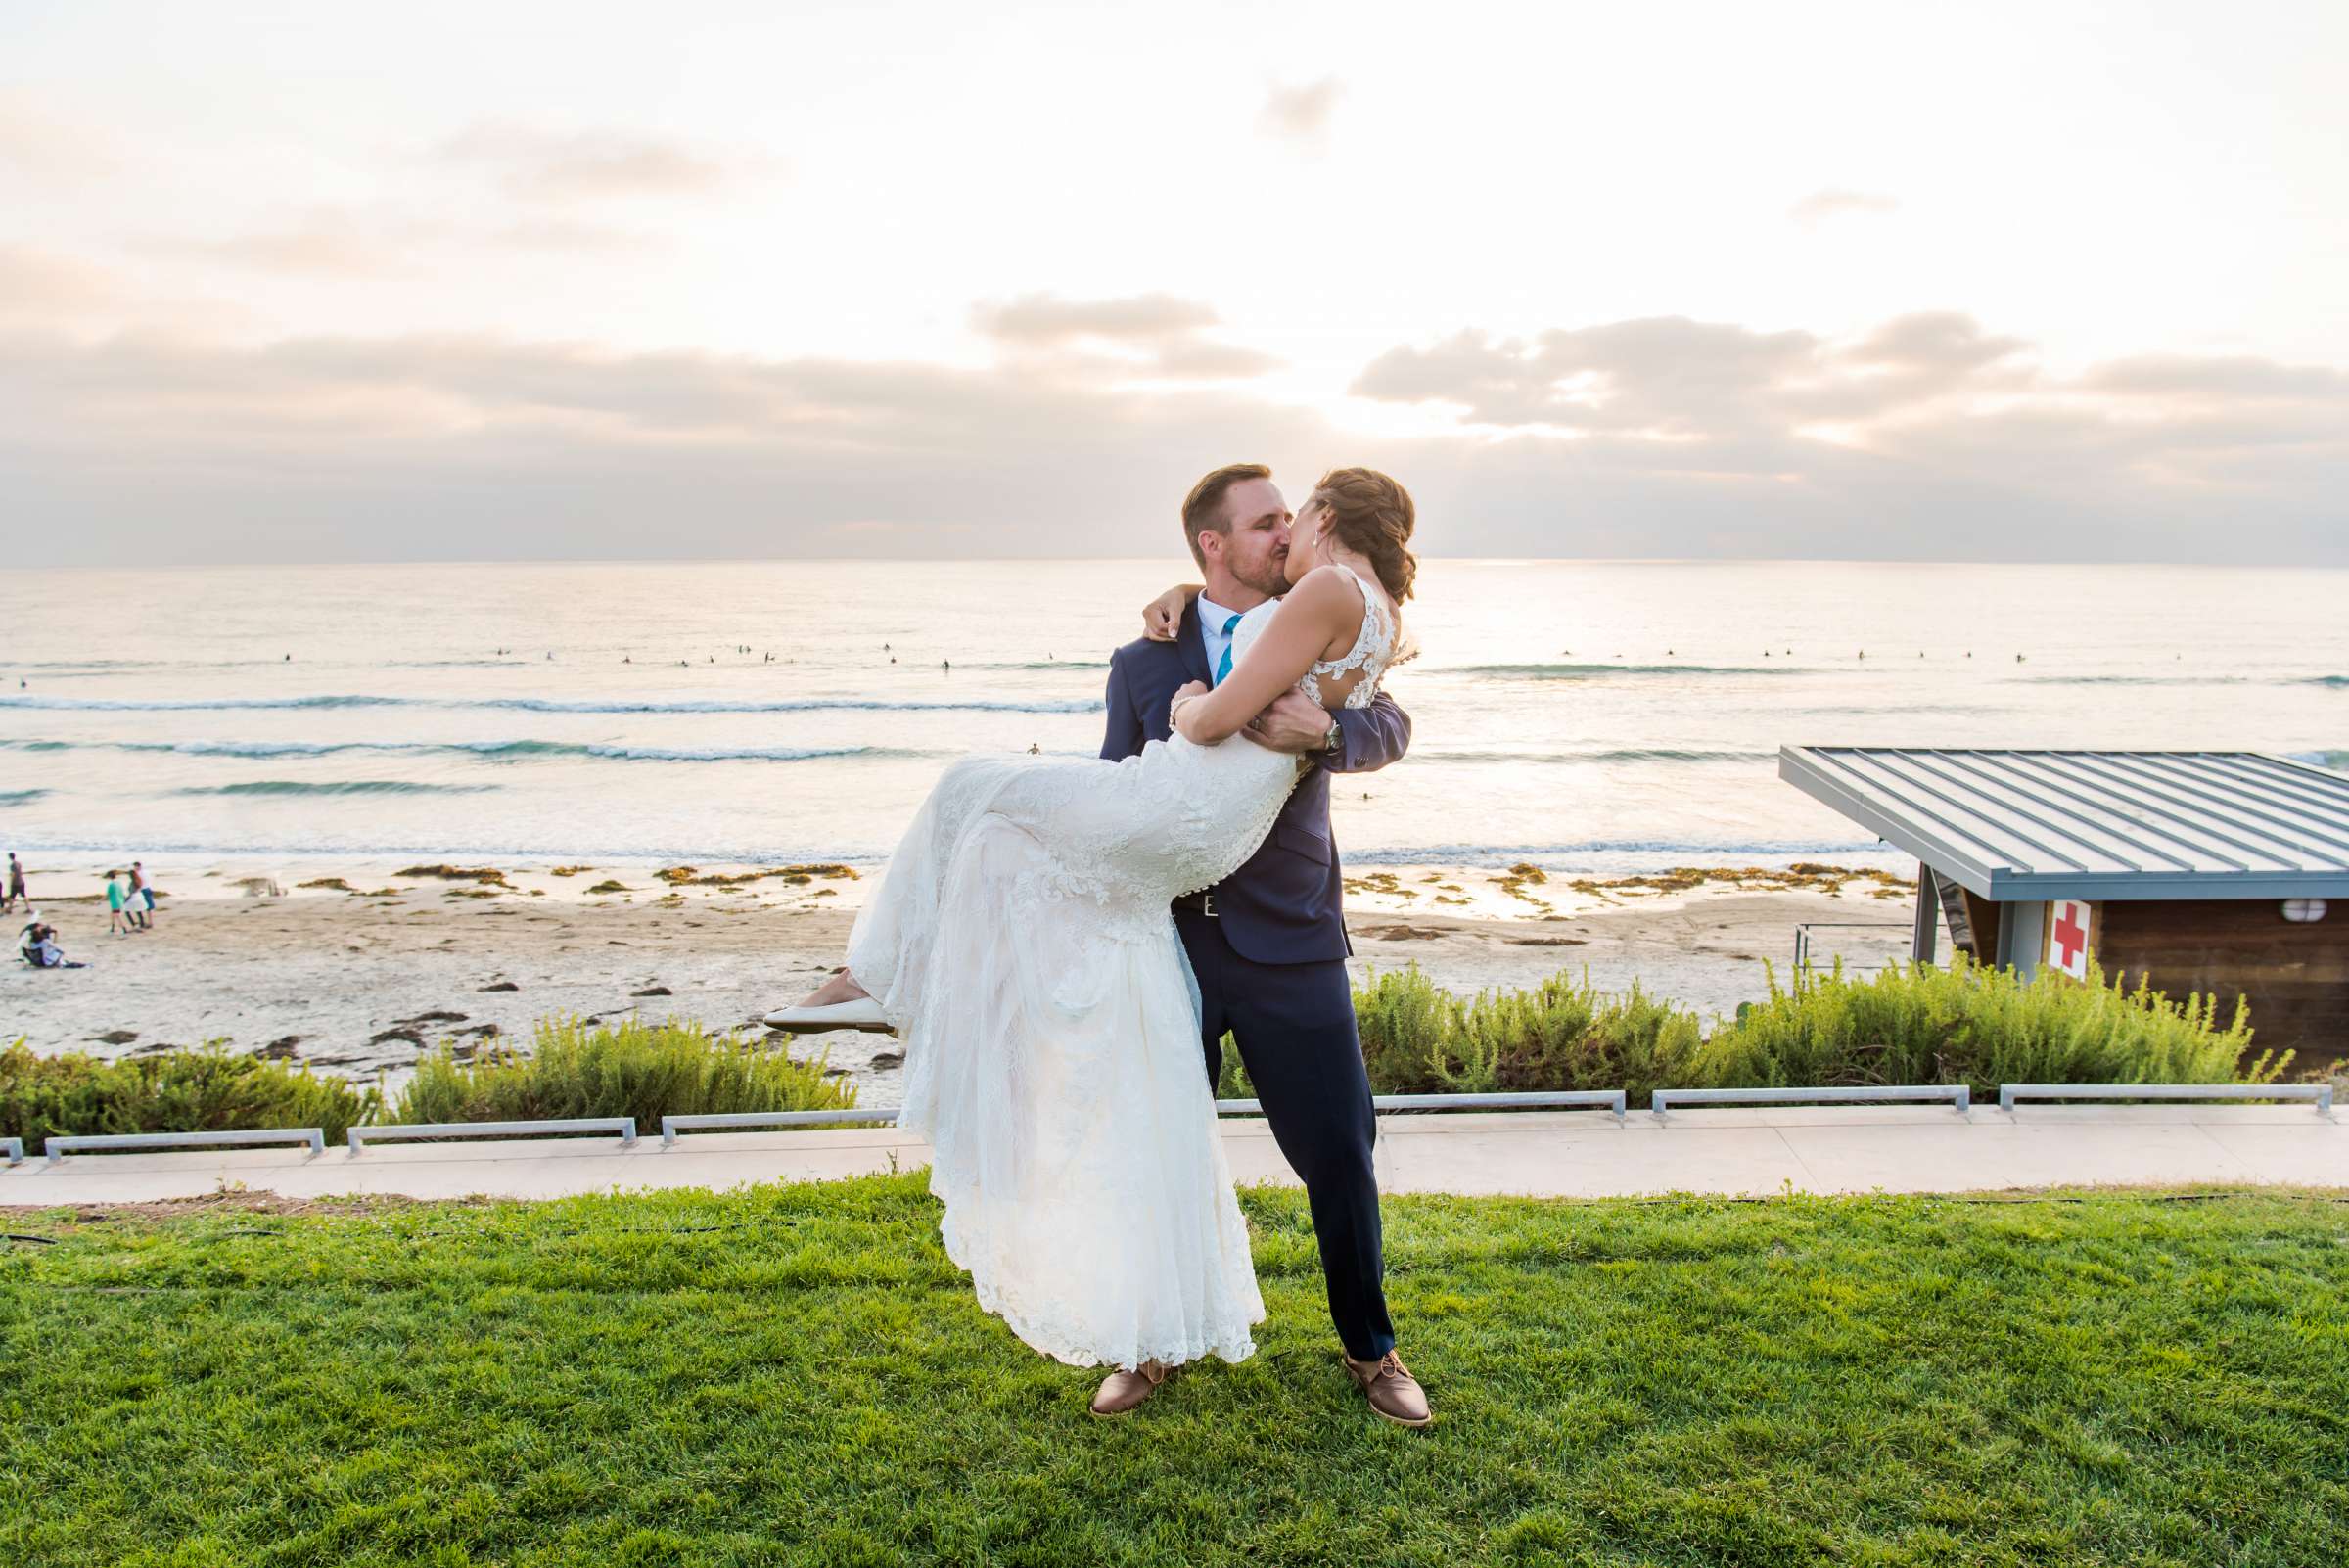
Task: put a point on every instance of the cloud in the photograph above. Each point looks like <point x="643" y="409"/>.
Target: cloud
<point x="1952" y="441"/>
<point x="1930" y="341"/>
<point x="1152" y="335"/>
<point x="1832" y="201"/>
<point x="1299" y="115"/>
<point x="1661" y="374"/>
<point x="1042" y="318"/>
<point x="563" y="234"/>
<point x="325" y="243"/>
<point x="1213" y="361"/>
<point x="39" y="286"/>
<point x="538" y="165"/>
<point x="1923" y="437"/>
<point x="38" y="140"/>
<point x="330" y="243"/>
<point x="474" y="446"/>
<point x="1671" y="376"/>
<point x="2235" y="378"/>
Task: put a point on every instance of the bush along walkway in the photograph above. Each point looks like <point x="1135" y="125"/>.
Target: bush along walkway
<point x="647" y="1071"/>
<point x="798" y="1375"/>
<point x="1913" y="1023"/>
<point x="1909" y="1024"/>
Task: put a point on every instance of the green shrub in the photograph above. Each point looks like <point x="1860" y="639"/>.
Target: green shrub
<point x="1982" y="1027"/>
<point x="1910" y="1024"/>
<point x="636" y="1069"/>
<point x="1231" y="1083"/>
<point x="203" y="1091"/>
<point x="1418" y="1039"/>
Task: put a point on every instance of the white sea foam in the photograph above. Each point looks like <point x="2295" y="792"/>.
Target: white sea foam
<point x="1585" y="715"/>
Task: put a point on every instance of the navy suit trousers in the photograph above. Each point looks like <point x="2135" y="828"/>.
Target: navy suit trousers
<point x="1294" y="1027"/>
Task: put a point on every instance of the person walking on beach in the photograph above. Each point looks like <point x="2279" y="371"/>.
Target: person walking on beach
<point x="1022" y="944"/>
<point x="142" y="898"/>
<point x="115" y="924"/>
<point x="15" y="887"/>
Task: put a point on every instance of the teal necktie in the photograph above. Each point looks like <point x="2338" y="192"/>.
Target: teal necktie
<point x="1225" y="667"/>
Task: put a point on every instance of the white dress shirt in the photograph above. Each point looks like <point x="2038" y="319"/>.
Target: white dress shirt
<point x="1213" y="618"/>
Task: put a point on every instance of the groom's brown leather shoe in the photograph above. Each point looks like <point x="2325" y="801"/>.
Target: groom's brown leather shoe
<point x="1394" y="1392"/>
<point x="1121" y="1391"/>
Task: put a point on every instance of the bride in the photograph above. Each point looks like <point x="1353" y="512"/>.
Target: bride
<point x="1021" y="946"/>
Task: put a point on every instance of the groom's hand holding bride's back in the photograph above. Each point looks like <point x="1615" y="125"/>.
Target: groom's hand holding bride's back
<point x="1294" y="723"/>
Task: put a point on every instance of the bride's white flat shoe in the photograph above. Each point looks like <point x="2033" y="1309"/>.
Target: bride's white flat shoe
<point x="860" y="1013"/>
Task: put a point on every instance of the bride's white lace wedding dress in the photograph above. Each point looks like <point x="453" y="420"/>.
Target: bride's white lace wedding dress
<point x="1021" y="946"/>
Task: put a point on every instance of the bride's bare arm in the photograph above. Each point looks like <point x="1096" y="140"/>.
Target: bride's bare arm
<point x="1311" y="618"/>
<point x="1162" y="617"/>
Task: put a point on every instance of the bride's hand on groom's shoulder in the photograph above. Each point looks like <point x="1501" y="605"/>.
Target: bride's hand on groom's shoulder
<point x="1162" y="617"/>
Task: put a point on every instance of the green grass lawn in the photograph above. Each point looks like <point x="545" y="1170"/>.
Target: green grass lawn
<point x="797" y="1375"/>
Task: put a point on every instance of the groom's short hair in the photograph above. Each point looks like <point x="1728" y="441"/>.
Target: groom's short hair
<point x="1203" y="509"/>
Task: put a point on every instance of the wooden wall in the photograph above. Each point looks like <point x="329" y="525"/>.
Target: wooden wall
<point x="1973" y="922"/>
<point x="2295" y="977"/>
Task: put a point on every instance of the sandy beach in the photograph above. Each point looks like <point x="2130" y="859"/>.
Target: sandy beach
<point x="357" y="968"/>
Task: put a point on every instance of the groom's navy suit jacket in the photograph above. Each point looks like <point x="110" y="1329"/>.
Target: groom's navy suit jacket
<point x="1286" y="905"/>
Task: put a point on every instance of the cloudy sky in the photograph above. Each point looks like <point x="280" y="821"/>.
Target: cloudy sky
<point x="347" y="282"/>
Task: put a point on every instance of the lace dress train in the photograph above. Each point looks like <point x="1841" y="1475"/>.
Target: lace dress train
<point x="1021" y="946"/>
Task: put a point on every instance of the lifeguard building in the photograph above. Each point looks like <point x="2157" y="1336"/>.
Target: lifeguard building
<point x="2205" y="871"/>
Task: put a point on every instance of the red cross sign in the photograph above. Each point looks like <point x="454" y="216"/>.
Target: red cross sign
<point x="2067" y="936"/>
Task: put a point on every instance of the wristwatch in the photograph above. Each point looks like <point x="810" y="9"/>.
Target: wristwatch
<point x="1335" y="739"/>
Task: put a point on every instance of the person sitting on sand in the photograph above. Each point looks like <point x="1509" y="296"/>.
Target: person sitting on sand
<point x="45" y="953"/>
<point x="29" y="937"/>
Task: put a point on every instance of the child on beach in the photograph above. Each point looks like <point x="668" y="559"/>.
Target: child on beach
<point x="115" y="924"/>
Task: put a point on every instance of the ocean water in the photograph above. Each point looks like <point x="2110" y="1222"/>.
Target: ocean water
<point x="1587" y="716"/>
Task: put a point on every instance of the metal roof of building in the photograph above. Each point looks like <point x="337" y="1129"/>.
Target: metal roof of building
<point x="2066" y="824"/>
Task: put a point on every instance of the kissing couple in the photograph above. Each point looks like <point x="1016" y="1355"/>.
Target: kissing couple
<point x="1056" y="940"/>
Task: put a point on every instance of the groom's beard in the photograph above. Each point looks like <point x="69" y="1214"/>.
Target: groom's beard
<point x="1272" y="583"/>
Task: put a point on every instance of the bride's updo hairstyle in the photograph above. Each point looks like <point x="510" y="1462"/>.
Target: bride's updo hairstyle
<point x="1372" y="515"/>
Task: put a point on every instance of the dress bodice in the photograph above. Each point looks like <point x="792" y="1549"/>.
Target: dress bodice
<point x="1363" y="664"/>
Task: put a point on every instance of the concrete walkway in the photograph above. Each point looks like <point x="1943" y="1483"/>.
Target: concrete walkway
<point x="1543" y="1154"/>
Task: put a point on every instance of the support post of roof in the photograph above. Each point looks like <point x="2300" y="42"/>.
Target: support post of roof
<point x="2021" y="924"/>
<point x="1928" y="911"/>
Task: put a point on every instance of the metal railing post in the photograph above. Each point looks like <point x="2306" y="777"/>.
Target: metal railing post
<point x="411" y="1132"/>
<point x="2319" y="1094"/>
<point x="63" y="1144"/>
<point x="1612" y="1101"/>
<point x="1956" y="1096"/>
<point x="672" y="1126"/>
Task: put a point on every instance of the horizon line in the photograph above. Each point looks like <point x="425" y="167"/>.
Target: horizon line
<point x="1093" y="560"/>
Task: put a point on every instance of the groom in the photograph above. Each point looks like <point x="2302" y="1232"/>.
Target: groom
<point x="1268" y="943"/>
